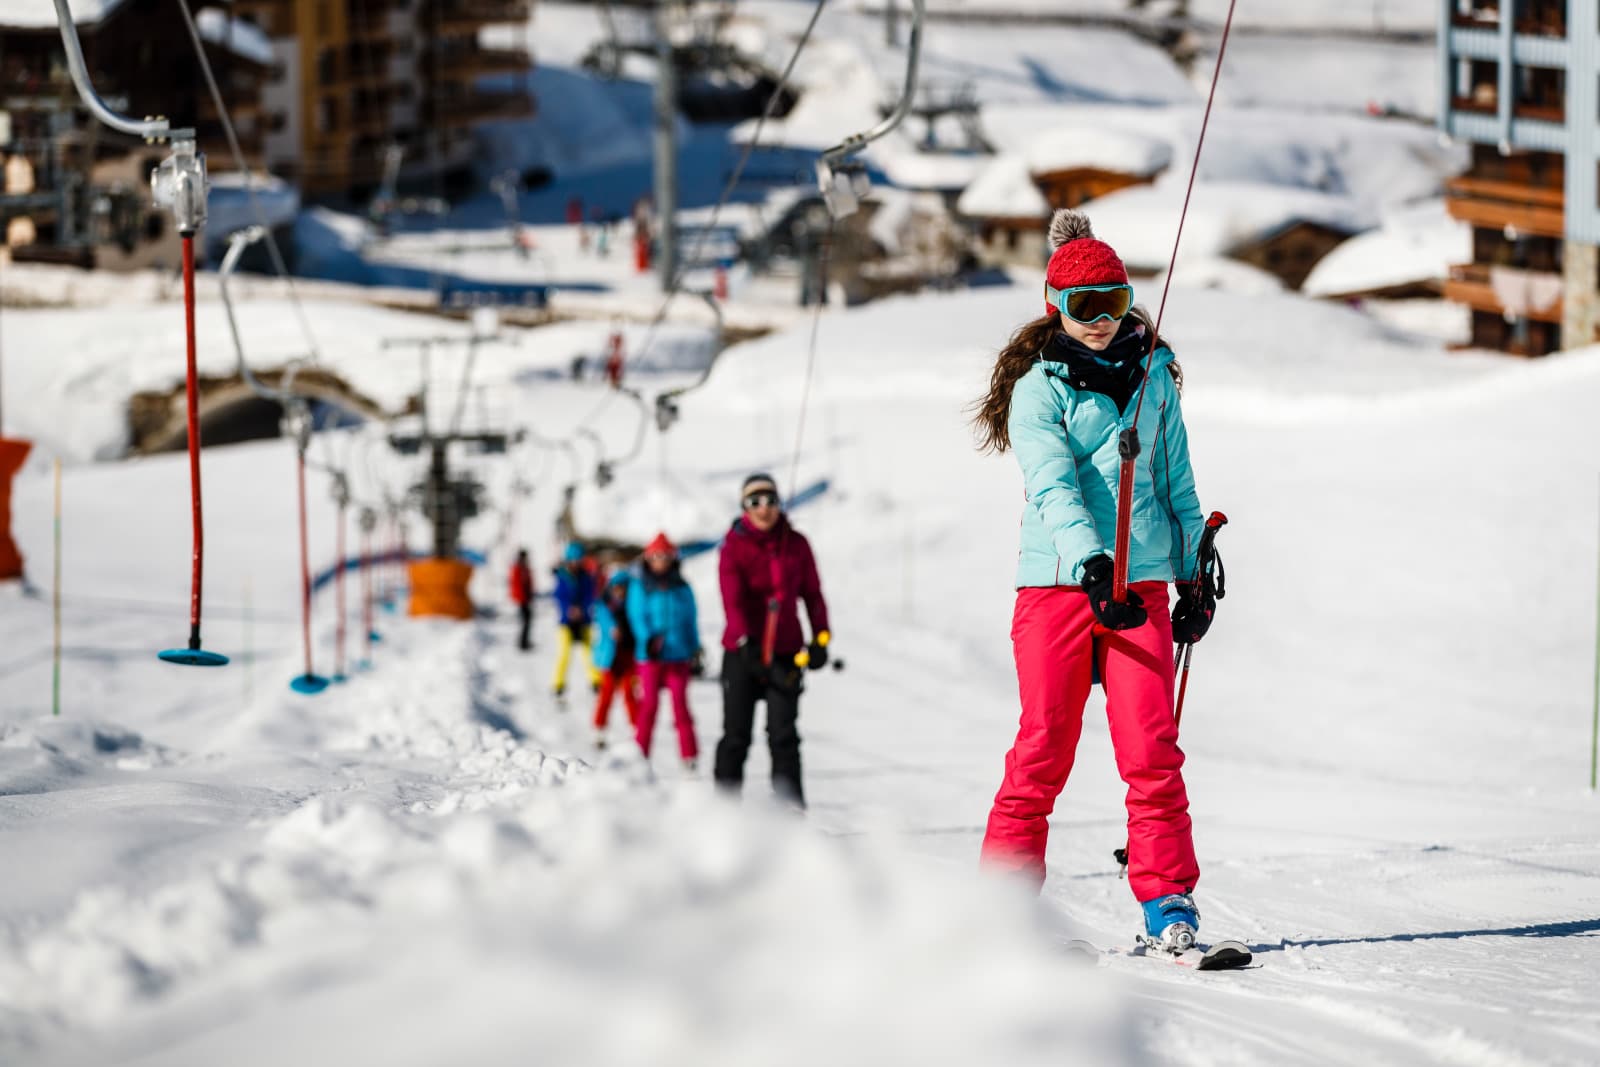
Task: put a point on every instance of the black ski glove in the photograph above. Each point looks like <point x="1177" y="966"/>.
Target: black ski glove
<point x="652" y="647"/>
<point x="1097" y="583"/>
<point x="817" y="652"/>
<point x="1191" y="618"/>
<point x="697" y="666"/>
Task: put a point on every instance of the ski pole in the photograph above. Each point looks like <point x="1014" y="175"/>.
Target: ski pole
<point x="1205" y="575"/>
<point x="1208" y="573"/>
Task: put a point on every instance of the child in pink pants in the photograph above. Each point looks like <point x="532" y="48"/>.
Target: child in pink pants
<point x="666" y="630"/>
<point x="1062" y="394"/>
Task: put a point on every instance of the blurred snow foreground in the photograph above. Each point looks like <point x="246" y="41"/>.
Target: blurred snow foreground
<point x="560" y="915"/>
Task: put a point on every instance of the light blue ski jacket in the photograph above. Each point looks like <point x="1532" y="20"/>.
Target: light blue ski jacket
<point x="1066" y="442"/>
<point x="664" y="608"/>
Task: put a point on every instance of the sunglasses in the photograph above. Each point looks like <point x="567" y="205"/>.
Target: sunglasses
<point x="1091" y="303"/>
<point x="763" y="499"/>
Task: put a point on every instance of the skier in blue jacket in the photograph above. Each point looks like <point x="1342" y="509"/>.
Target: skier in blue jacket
<point x="1061" y="394"/>
<point x="666" y="632"/>
<point x="575" y="595"/>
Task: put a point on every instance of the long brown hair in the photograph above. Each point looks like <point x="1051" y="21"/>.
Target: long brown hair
<point x="992" y="411"/>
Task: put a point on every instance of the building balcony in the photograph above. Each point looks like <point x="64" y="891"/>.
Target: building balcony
<point x="1536" y="214"/>
<point x="1476" y="187"/>
<point x="1533" y="20"/>
<point x="474" y="63"/>
<point x="479" y="106"/>
<point x="465" y="16"/>
<point x="1529" y="294"/>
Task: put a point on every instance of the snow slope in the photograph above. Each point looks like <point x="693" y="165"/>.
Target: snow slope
<point x="1386" y="756"/>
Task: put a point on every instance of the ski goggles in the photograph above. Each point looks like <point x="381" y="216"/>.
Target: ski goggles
<point x="761" y="498"/>
<point x="1091" y="303"/>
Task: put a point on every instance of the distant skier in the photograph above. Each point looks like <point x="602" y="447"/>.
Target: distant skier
<point x="614" y="358"/>
<point x="614" y="655"/>
<point x="766" y="570"/>
<point x="522" y="597"/>
<point x="1061" y="390"/>
<point x="666" y="632"/>
<point x="574" y="602"/>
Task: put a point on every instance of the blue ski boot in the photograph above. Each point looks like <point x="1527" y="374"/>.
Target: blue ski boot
<point x="1171" y="922"/>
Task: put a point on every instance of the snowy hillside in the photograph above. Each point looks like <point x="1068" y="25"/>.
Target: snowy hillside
<point x="1386" y="762"/>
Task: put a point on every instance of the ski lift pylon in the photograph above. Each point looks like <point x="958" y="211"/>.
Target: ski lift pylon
<point x="179" y="183"/>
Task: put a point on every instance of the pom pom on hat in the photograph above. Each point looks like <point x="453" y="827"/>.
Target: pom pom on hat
<point x="1068" y="225"/>
<point x="1079" y="257"/>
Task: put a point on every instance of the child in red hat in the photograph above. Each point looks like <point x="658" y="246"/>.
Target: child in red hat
<point x="666" y="632"/>
<point x="1061" y="393"/>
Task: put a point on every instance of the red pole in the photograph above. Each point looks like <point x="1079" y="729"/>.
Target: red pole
<point x="305" y="565"/>
<point x="192" y="381"/>
<point x="338" y="586"/>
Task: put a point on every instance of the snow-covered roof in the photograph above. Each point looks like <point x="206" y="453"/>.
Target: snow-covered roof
<point x="37" y="14"/>
<point x="1103" y="148"/>
<point x="1417" y="245"/>
<point x="1141" y="221"/>
<point x="1004" y="189"/>
<point x="931" y="171"/>
<point x="236" y="35"/>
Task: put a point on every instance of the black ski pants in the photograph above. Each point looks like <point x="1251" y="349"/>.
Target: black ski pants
<point x="743" y="686"/>
<point x="525" y="641"/>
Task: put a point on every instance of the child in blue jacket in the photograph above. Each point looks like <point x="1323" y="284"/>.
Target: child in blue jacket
<point x="666" y="633"/>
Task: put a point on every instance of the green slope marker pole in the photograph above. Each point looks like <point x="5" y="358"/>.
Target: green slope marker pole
<point x="1594" y="726"/>
<point x="55" y="669"/>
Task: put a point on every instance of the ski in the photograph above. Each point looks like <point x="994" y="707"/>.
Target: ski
<point x="1222" y="956"/>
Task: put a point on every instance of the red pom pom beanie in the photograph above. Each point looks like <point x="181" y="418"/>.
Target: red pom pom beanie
<point x="1079" y="258"/>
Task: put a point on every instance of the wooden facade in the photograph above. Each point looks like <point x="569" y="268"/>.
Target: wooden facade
<point x="1516" y="206"/>
<point x="1291" y="250"/>
<point x="358" y="76"/>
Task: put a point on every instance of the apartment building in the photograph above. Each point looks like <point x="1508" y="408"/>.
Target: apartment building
<point x="1520" y="82"/>
<point x="353" y="77"/>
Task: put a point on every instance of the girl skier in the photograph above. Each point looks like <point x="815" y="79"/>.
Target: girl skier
<point x="666" y="630"/>
<point x="1060" y="393"/>
<point x="614" y="656"/>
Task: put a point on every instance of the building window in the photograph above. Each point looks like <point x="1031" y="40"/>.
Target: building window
<point x="1541" y="93"/>
<point x="327" y="66"/>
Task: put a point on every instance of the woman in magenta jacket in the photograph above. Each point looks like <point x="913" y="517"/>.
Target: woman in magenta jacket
<point x="767" y="570"/>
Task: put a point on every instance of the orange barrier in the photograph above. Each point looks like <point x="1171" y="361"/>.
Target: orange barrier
<point x="439" y="588"/>
<point x="12" y="452"/>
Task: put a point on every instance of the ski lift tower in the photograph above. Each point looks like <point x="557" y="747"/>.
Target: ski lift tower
<point x="446" y="500"/>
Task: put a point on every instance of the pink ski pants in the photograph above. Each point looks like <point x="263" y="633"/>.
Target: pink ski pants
<point x="1056" y="642"/>
<point x="675" y="676"/>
